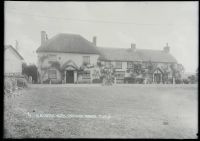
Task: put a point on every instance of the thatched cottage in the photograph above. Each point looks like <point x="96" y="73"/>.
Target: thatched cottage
<point x="70" y="58"/>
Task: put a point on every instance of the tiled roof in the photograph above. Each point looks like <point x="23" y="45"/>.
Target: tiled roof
<point x="68" y="43"/>
<point x="11" y="47"/>
<point x="118" y="54"/>
<point x="122" y="54"/>
<point x="155" y="55"/>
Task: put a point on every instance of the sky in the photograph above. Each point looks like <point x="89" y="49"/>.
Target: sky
<point x="150" y="25"/>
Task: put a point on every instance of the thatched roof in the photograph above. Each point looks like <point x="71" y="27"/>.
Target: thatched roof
<point x="122" y="54"/>
<point x="74" y="43"/>
<point x="117" y="54"/>
<point x="68" y="43"/>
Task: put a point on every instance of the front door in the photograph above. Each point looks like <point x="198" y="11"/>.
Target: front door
<point x="69" y="76"/>
<point x="157" y="78"/>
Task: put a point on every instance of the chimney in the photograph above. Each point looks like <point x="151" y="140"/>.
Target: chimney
<point x="43" y="37"/>
<point x="94" y="40"/>
<point x="166" y="49"/>
<point x="133" y="46"/>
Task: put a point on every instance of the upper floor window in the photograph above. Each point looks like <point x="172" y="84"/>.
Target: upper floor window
<point x="86" y="59"/>
<point x="118" y="65"/>
<point x="129" y="65"/>
<point x="107" y="64"/>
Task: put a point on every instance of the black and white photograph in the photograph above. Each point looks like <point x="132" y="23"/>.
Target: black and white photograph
<point x="110" y="69"/>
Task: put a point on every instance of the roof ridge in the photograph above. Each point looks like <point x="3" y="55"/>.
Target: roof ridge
<point x="68" y="34"/>
<point x="149" y="49"/>
<point x="68" y="42"/>
<point x="112" y="47"/>
<point x="137" y="49"/>
<point x="10" y="46"/>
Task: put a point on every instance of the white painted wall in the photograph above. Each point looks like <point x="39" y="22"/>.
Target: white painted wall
<point x="12" y="62"/>
<point x="63" y="58"/>
<point x="77" y="58"/>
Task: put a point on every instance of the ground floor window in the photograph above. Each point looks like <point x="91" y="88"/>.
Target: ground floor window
<point x="52" y="74"/>
<point x="120" y="74"/>
<point x="85" y="74"/>
<point x="108" y="64"/>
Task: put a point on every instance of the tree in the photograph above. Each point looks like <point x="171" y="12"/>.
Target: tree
<point x="30" y="70"/>
<point x="108" y="74"/>
<point x="192" y="79"/>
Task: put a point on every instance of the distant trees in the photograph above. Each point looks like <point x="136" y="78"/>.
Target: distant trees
<point x="30" y="70"/>
<point x="177" y="70"/>
<point x="193" y="79"/>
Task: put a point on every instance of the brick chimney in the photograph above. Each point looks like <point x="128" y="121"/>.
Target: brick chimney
<point x="94" y="41"/>
<point x="166" y="49"/>
<point x="133" y="46"/>
<point x="43" y="37"/>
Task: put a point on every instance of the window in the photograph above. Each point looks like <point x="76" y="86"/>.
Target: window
<point x="118" y="65"/>
<point x="108" y="64"/>
<point x="129" y="65"/>
<point x="52" y="74"/>
<point x="85" y="75"/>
<point x="120" y="75"/>
<point x="86" y="59"/>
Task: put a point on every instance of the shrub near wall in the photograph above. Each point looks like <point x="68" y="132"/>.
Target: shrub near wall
<point x="13" y="83"/>
<point x="22" y="82"/>
<point x="9" y="85"/>
<point x="97" y="81"/>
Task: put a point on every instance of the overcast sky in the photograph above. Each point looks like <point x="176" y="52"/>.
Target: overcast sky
<point x="116" y="24"/>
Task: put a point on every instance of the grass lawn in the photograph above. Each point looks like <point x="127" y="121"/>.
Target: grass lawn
<point x="133" y="111"/>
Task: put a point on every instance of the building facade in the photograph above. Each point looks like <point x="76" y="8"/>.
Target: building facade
<point x="12" y="61"/>
<point x="70" y="58"/>
<point x="66" y="58"/>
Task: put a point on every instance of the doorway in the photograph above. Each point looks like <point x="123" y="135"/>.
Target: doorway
<point x="70" y="76"/>
<point x="157" y="78"/>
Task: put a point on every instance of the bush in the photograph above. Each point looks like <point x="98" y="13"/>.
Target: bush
<point x="139" y="80"/>
<point x="22" y="82"/>
<point x="8" y="87"/>
<point x="12" y="83"/>
<point x="185" y="81"/>
<point x="108" y="80"/>
<point x="53" y="81"/>
<point x="46" y="81"/>
<point x="56" y="81"/>
<point x="178" y="81"/>
<point x="129" y="80"/>
<point x="97" y="81"/>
